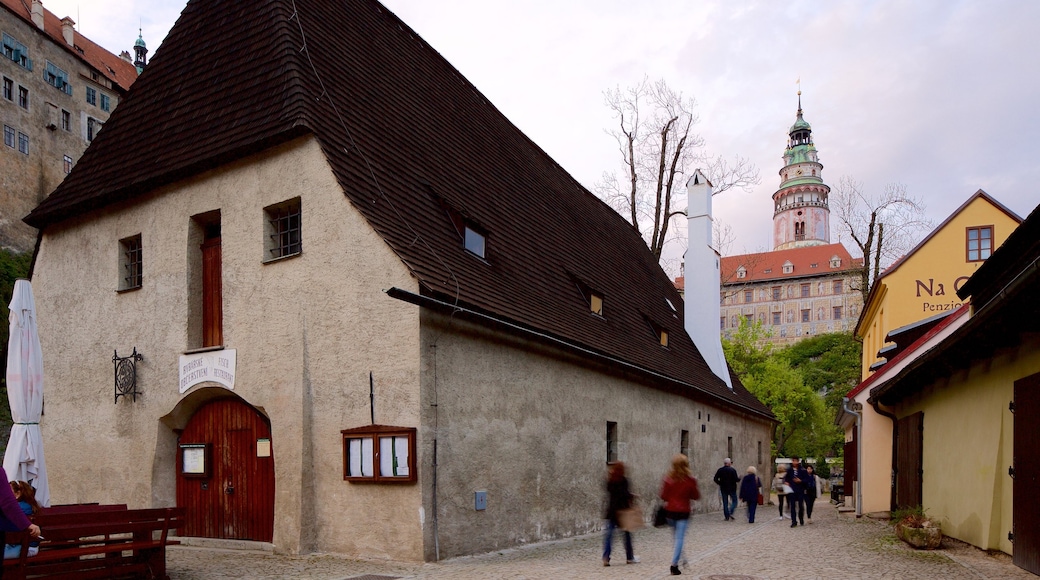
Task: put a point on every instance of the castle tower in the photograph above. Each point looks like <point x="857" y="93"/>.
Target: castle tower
<point x="140" y="53"/>
<point x="801" y="216"/>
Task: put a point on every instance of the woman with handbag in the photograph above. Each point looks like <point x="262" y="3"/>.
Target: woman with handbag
<point x="750" y="491"/>
<point x="778" y="486"/>
<point x="618" y="498"/>
<point x="678" y="489"/>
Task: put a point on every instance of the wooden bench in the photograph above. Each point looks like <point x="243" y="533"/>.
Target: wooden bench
<point x="79" y="508"/>
<point x="107" y="543"/>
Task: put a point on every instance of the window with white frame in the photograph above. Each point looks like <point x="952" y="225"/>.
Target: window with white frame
<point x="66" y="120"/>
<point x="23" y="97"/>
<point x="66" y="162"/>
<point x="8" y="89"/>
<point x="93" y="126"/>
<point x="379" y="454"/>
<point x="283" y="231"/>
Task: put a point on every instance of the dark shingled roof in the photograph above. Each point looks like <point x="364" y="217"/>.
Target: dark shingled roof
<point x="416" y="148"/>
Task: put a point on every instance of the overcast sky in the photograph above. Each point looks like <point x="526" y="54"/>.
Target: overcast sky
<point x="939" y="95"/>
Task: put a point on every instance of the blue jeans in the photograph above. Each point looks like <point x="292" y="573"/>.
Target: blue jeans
<point x="608" y="541"/>
<point x="729" y="503"/>
<point x="678" y="536"/>
<point x="751" y="507"/>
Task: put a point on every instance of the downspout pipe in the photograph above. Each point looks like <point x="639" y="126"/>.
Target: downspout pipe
<point x="847" y="405"/>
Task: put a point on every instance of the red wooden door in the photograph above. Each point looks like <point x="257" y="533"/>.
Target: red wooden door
<point x="1025" y="510"/>
<point x="212" y="296"/>
<point x="235" y="499"/>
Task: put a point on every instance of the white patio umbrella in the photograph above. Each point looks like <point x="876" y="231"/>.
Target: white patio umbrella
<point x="24" y="458"/>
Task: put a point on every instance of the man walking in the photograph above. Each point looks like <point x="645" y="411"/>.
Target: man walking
<point x="726" y="478"/>
<point x="796" y="477"/>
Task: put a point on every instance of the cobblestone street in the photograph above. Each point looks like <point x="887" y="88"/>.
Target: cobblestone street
<point x="833" y="547"/>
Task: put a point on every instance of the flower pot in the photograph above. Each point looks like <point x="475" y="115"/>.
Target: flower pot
<point x="921" y="538"/>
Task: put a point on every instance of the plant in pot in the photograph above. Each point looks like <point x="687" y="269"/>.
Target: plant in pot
<point x="914" y="527"/>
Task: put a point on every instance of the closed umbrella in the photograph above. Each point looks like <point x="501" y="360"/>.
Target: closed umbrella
<point x="24" y="458"/>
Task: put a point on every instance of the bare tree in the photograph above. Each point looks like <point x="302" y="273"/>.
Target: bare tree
<point x="658" y="147"/>
<point x="884" y="227"/>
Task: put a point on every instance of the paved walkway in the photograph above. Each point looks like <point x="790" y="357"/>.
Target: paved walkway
<point x="833" y="547"/>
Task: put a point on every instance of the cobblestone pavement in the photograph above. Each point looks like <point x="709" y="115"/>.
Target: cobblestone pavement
<point x="833" y="547"/>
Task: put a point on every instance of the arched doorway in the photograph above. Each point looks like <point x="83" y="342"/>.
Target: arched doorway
<point x="225" y="473"/>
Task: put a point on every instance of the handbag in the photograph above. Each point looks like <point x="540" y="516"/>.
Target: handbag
<point x="630" y="519"/>
<point x="788" y="489"/>
<point x="660" y="516"/>
<point x="761" y="499"/>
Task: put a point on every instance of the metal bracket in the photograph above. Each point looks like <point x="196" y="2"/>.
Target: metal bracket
<point x="1011" y="406"/>
<point x="125" y="369"/>
<point x="1011" y="471"/>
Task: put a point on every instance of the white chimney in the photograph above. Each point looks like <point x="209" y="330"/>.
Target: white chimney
<point x="702" y="278"/>
<point x="37" y="14"/>
<point x="68" y="25"/>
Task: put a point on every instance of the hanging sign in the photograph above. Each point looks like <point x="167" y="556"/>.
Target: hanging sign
<point x="217" y="366"/>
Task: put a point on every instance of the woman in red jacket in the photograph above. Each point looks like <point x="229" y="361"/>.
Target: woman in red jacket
<point x="678" y="489"/>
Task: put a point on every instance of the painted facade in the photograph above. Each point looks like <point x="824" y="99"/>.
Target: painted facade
<point x="382" y="312"/>
<point x="922" y="284"/>
<point x="976" y="395"/>
<point x="48" y="134"/>
<point x="806" y="285"/>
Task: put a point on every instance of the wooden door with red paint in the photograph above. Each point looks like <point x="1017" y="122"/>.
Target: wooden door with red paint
<point x="232" y="496"/>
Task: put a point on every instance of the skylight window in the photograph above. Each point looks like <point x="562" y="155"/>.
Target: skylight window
<point x="475" y="242"/>
<point x="670" y="305"/>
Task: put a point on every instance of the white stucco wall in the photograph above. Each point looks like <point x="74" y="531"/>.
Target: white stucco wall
<point x="528" y="425"/>
<point x="303" y="355"/>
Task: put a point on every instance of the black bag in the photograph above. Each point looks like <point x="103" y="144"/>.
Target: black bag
<point x="660" y="517"/>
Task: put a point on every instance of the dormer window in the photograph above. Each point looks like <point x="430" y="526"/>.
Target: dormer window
<point x="475" y="242"/>
<point x="741" y="272"/>
<point x="659" y="332"/>
<point x="788" y="267"/>
<point x="835" y="262"/>
<point x="596" y="303"/>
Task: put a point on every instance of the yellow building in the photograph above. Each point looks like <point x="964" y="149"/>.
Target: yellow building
<point x="907" y="304"/>
<point x="967" y="447"/>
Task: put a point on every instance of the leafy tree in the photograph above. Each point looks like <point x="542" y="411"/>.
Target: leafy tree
<point x="658" y="149"/>
<point x="883" y="226"/>
<point x="830" y="364"/>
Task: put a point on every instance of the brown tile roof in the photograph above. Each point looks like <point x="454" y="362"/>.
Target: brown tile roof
<point x="117" y="70"/>
<point x="412" y="143"/>
<point x="770" y="265"/>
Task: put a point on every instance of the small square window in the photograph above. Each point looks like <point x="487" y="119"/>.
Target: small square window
<point x="379" y="454"/>
<point x="67" y="164"/>
<point x="980" y="243"/>
<point x="475" y="242"/>
<point x="8" y="89"/>
<point x="283" y="229"/>
<point x="23" y="97"/>
<point x="131" y="263"/>
<point x="23" y="143"/>
<point x="596" y="303"/>
<point x="9" y="136"/>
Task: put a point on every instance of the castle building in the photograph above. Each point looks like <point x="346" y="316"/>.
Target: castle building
<point x="806" y="285"/>
<point x="59" y="88"/>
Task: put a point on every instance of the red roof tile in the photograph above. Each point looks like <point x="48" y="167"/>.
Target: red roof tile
<point x="117" y="70"/>
<point x="412" y="143"/>
<point x="770" y="265"/>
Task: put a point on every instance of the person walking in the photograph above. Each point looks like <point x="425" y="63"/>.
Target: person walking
<point x="778" y="486"/>
<point x="796" y="478"/>
<point x="678" y="489"/>
<point x="750" y="489"/>
<point x="619" y="497"/>
<point x="812" y="491"/>
<point x="727" y="479"/>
